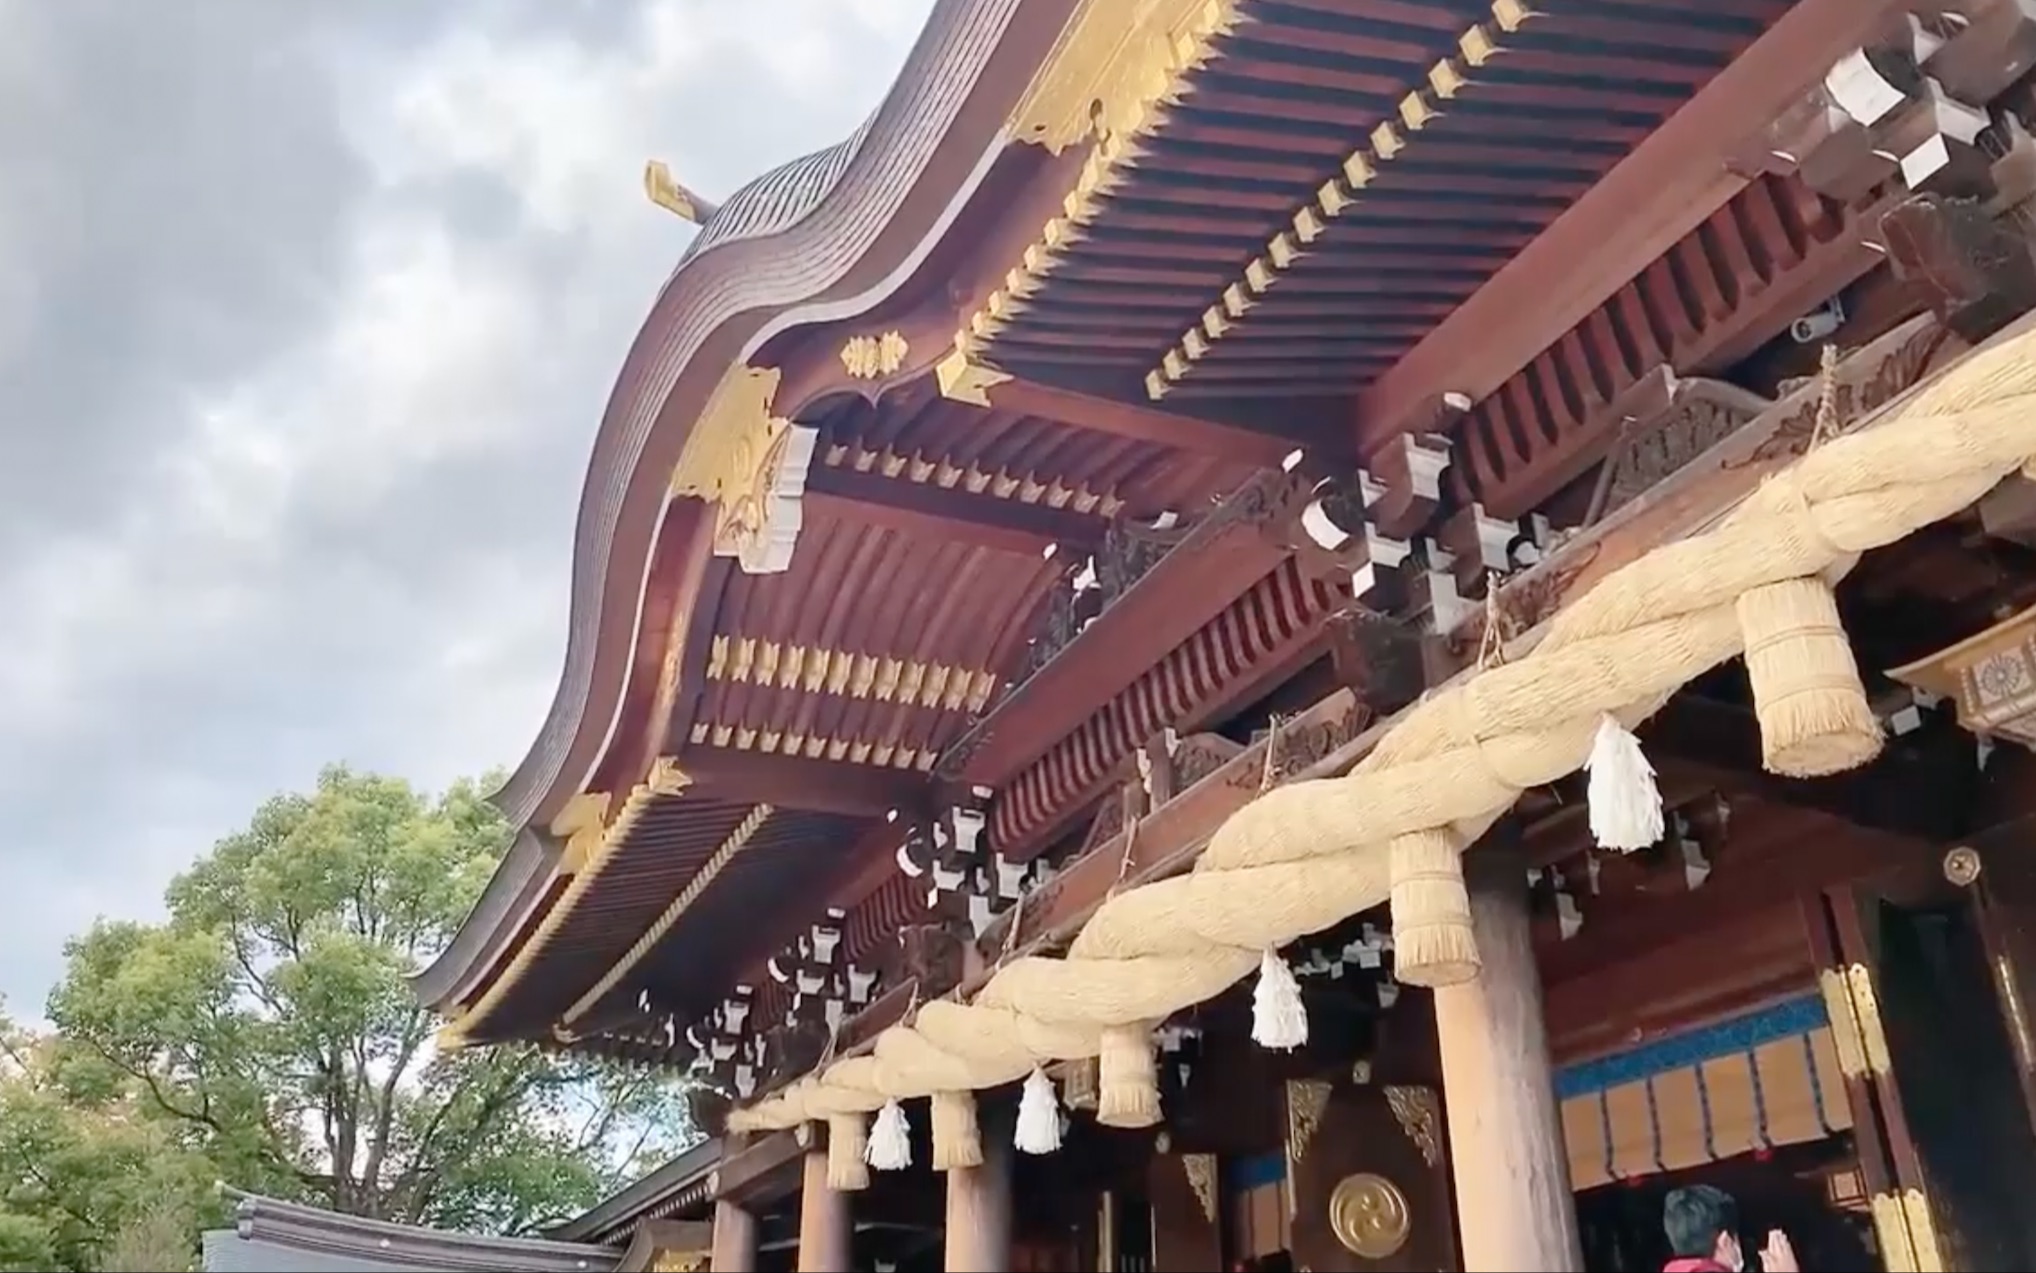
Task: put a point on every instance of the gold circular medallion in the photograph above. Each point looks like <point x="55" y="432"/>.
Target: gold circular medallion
<point x="1962" y="866"/>
<point x="1369" y="1215"/>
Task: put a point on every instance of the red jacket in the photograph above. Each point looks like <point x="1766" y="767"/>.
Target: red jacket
<point x="1693" y="1264"/>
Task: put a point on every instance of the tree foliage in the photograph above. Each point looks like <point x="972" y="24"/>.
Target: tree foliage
<point x="264" y="1035"/>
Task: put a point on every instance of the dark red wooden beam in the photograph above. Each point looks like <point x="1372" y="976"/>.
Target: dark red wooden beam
<point x="1662" y="191"/>
<point x="1147" y="424"/>
<point x="1196" y="581"/>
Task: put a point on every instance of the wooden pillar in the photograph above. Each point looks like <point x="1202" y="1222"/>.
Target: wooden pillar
<point x="1513" y="1202"/>
<point x="979" y="1205"/>
<point x="734" y="1239"/>
<point x="825" y="1244"/>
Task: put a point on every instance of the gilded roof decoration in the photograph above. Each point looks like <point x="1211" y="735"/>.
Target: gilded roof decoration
<point x="1024" y="488"/>
<point x="737" y="840"/>
<point x="746" y="660"/>
<point x="874" y="357"/>
<point x="751" y="465"/>
<point x="1447" y="78"/>
<point x="1109" y="80"/>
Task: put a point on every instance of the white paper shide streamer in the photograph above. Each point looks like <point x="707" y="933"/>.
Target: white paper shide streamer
<point x="890" y="1146"/>
<point x="1038" y="1115"/>
<point x="1625" y="804"/>
<point x="1278" y="1017"/>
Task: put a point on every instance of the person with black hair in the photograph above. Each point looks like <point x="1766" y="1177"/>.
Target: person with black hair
<point x="1702" y="1223"/>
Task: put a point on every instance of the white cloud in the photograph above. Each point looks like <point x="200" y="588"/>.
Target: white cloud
<point x="352" y="542"/>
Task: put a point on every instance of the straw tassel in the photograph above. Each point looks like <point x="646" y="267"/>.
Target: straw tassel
<point x="957" y="1139"/>
<point x="847" y="1142"/>
<point x="1814" y="717"/>
<point x="1127" y="1078"/>
<point x="1278" y="1017"/>
<point x="890" y="1147"/>
<point x="1432" y="941"/>
<point x="1038" y="1115"/>
<point x="1625" y="804"/>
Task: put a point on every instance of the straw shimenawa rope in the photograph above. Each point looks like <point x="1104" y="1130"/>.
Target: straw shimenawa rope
<point x="1303" y="857"/>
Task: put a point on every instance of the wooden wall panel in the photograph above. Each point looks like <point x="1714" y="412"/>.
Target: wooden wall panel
<point x="1391" y="1132"/>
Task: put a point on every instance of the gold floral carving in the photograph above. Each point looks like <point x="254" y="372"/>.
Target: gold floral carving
<point x="963" y="379"/>
<point x="1117" y="63"/>
<point x="1116" y="68"/>
<point x="874" y="357"/>
<point x="1420" y="1116"/>
<point x="581" y="824"/>
<point x="1201" y="1172"/>
<point x="751" y="465"/>
<point x="1370" y="1216"/>
<point x="680" y="1262"/>
<point x="1307" y="1101"/>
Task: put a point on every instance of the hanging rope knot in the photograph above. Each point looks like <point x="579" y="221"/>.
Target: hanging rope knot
<point x="1271" y="772"/>
<point x="1828" y="424"/>
<point x="1124" y="858"/>
<point x="1492" y="641"/>
<point x="1011" y="934"/>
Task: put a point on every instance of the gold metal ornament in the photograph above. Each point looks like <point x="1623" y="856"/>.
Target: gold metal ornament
<point x="1962" y="866"/>
<point x="1369" y="1216"/>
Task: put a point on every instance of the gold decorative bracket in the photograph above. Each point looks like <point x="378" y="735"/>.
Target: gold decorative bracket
<point x="963" y="379"/>
<point x="1420" y="1115"/>
<point x="1116" y="67"/>
<point x="1201" y="1172"/>
<point x="1307" y="1102"/>
<point x="581" y="824"/>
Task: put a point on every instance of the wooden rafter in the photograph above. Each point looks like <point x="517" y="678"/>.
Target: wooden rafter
<point x="797" y="782"/>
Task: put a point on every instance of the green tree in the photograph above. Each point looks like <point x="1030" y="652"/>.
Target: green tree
<point x="267" y="1024"/>
<point x="78" y="1159"/>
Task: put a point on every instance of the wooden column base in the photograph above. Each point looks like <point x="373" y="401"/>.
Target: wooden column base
<point x="1514" y="1207"/>
<point x="825" y="1233"/>
<point x="734" y="1239"/>
<point x="979" y="1207"/>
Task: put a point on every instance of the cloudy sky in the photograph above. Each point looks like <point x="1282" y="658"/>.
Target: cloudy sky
<point x="307" y="314"/>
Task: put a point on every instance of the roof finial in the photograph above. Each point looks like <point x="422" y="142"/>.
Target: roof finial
<point x="666" y="192"/>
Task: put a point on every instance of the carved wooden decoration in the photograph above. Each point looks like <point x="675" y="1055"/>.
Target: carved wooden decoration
<point x="1187" y="1228"/>
<point x="1200" y="755"/>
<point x="1991" y="676"/>
<point x="1977" y="271"/>
<point x="1378" y="658"/>
<point x="1667" y="421"/>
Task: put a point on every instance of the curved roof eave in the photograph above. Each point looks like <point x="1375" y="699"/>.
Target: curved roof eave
<point x="506" y="904"/>
<point x="706" y="317"/>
